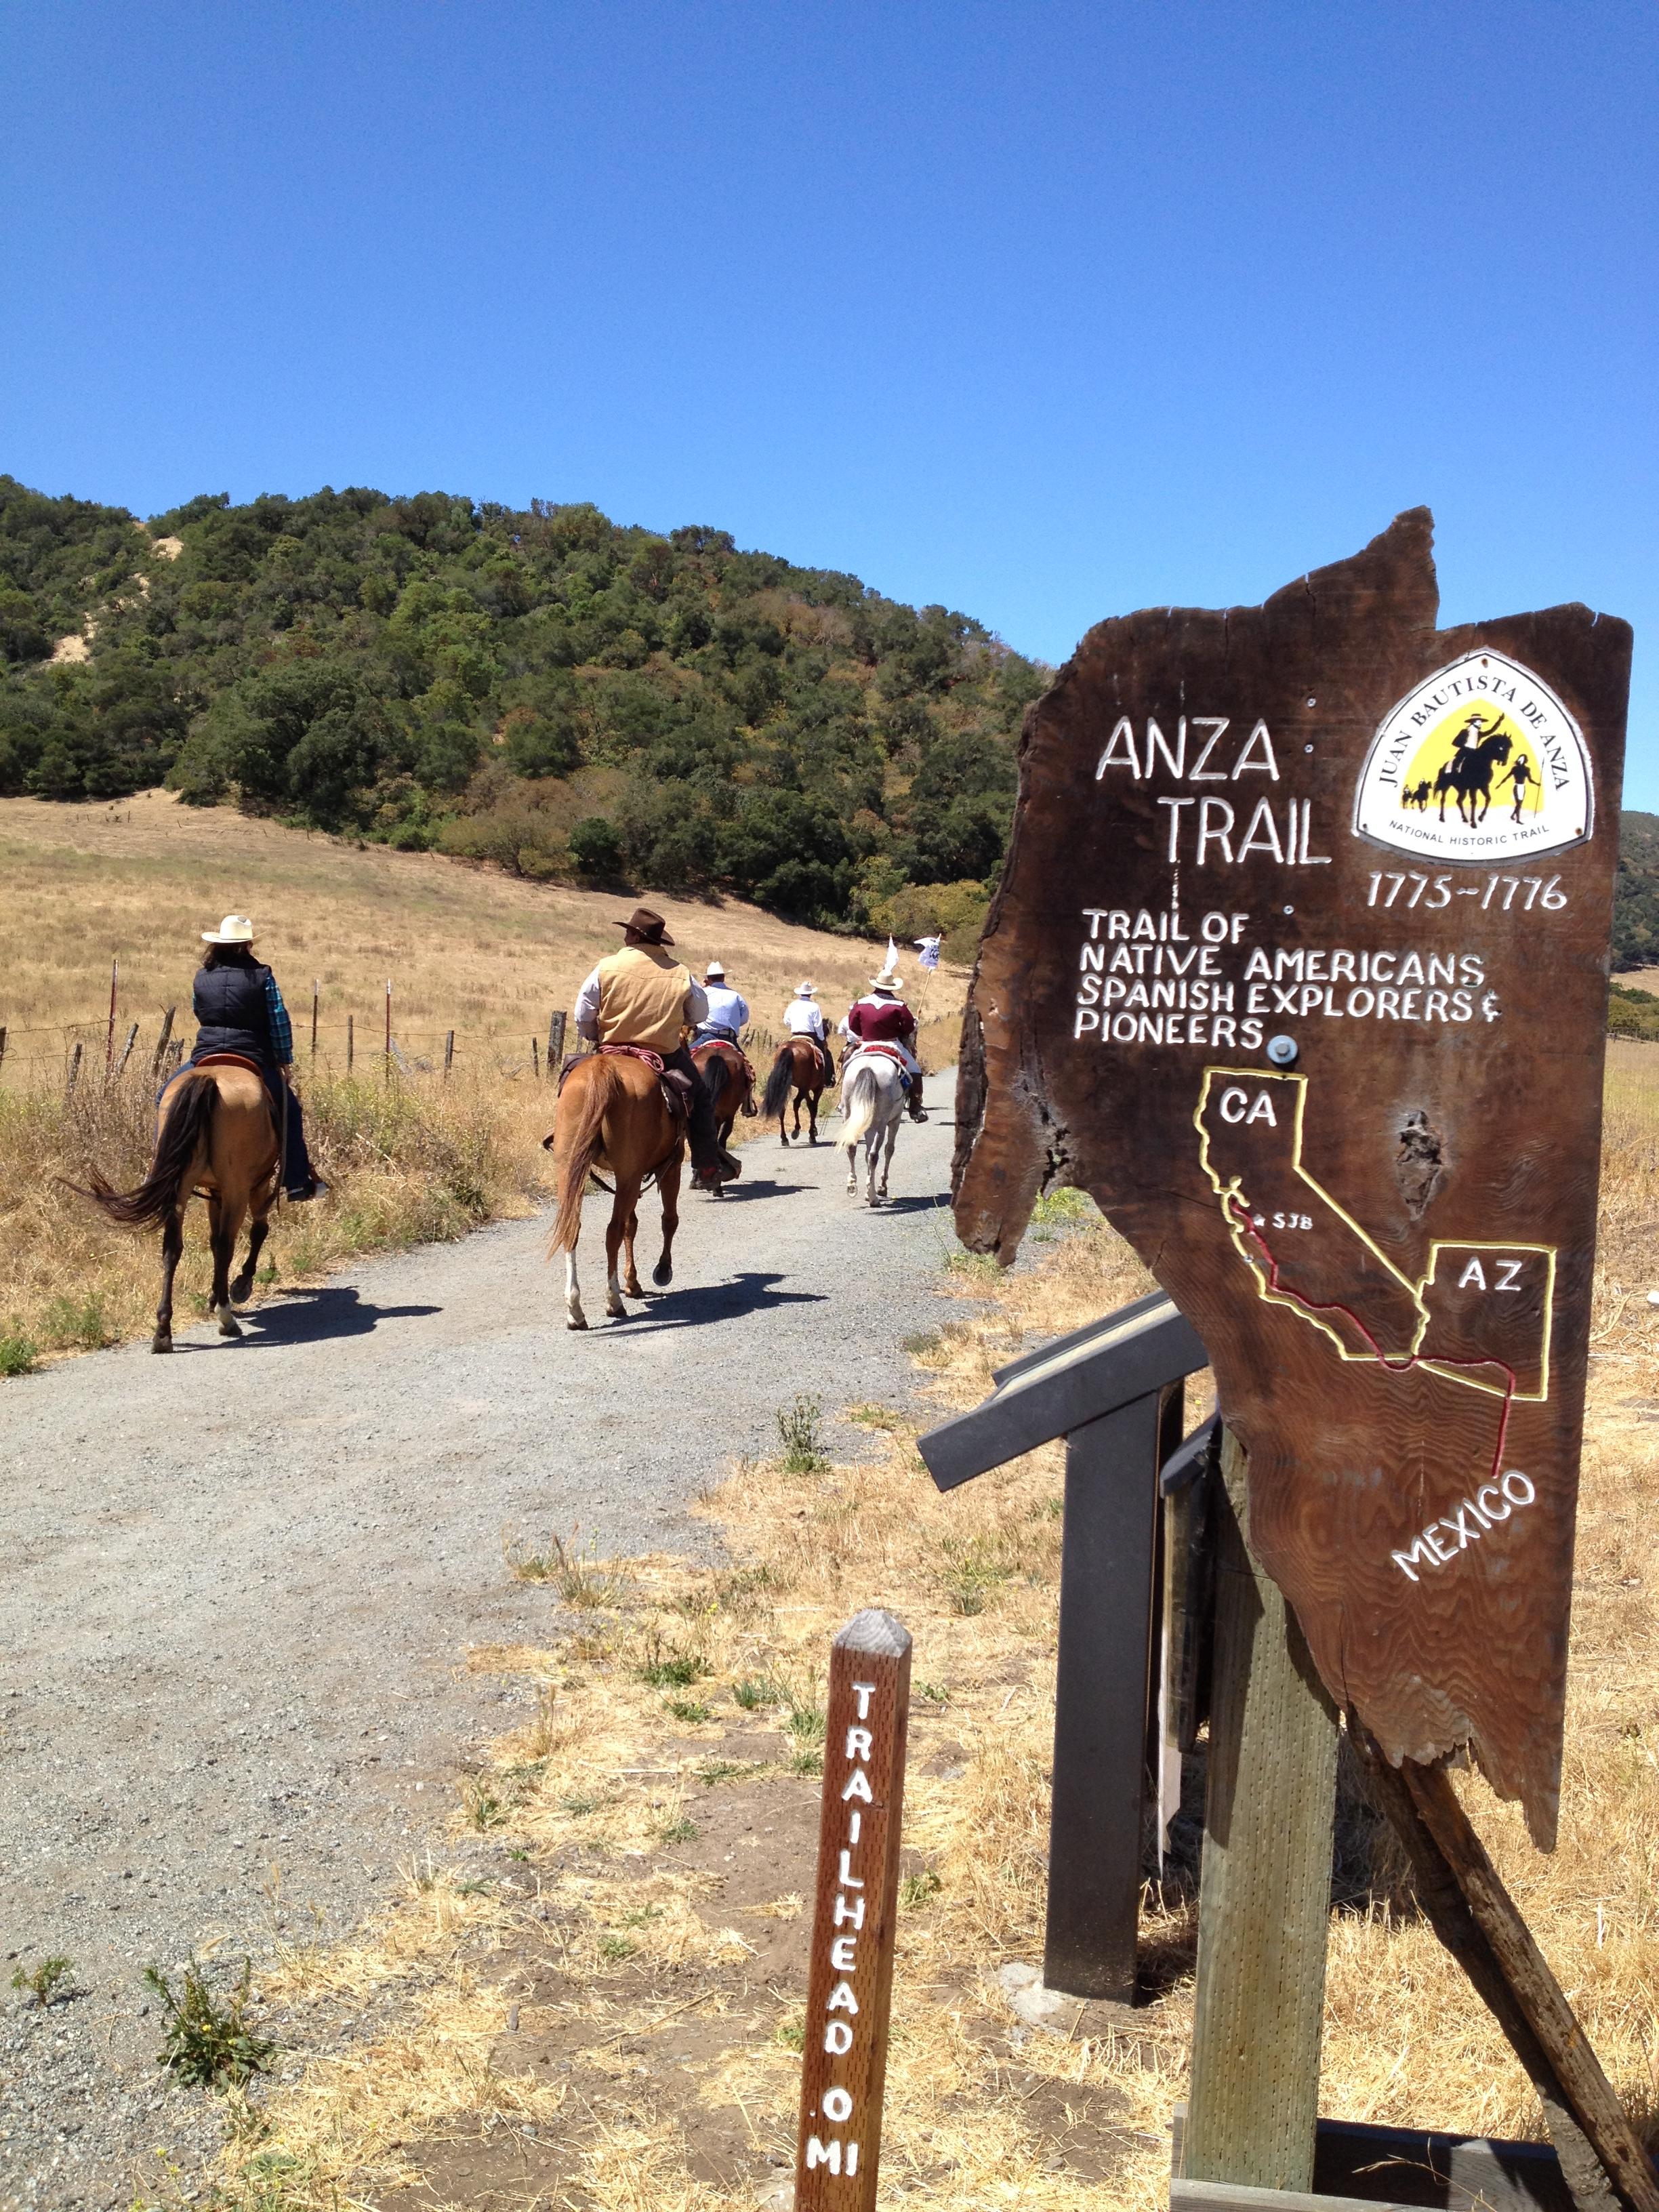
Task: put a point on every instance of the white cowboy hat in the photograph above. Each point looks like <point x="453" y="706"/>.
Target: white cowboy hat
<point x="715" y="969"/>
<point x="235" y="929"/>
<point x="886" y="982"/>
<point x="807" y="990"/>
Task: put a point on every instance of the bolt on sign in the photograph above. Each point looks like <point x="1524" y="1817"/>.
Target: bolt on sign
<point x="854" y="1924"/>
<point x="1298" y="965"/>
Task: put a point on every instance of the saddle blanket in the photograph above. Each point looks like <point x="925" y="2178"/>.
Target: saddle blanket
<point x="896" y="1053"/>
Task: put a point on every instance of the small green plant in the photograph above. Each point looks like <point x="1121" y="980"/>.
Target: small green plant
<point x="578" y="1806"/>
<point x="689" y="1709"/>
<point x="876" y="1417"/>
<point x="807" y="1723"/>
<point x="1064" y="1208"/>
<point x="572" y="1571"/>
<point x="615" y="1949"/>
<point x="670" y="1670"/>
<point x="754" y="1694"/>
<point x="798" y="1427"/>
<point x="917" y="1889"/>
<point x="978" y="1266"/>
<point x="931" y="1693"/>
<point x="808" y="1759"/>
<point x="923" y="1345"/>
<point x="722" y="1770"/>
<point x="205" y="2039"/>
<point x="973" y="1573"/>
<point x="18" y="1353"/>
<point x="520" y="1853"/>
<point x="78" y="1324"/>
<point x="640" y="1914"/>
<point x="485" y="1809"/>
<point x="792" y="2033"/>
<point x="679" y="1832"/>
<point x="46" y="1981"/>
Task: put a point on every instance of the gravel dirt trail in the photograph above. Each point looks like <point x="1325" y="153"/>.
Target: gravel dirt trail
<point x="237" y="1584"/>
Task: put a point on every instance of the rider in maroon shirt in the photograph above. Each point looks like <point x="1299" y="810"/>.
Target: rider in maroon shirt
<point x="882" y="1017"/>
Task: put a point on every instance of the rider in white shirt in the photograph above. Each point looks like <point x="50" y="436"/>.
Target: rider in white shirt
<point x="728" y="1010"/>
<point x="802" y="1018"/>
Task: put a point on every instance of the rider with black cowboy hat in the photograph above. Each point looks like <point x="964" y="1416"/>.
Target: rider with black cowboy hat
<point x="639" y="996"/>
<point x="238" y="1009"/>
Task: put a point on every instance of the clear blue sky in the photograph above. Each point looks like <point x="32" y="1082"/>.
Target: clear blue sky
<point x="1044" y="311"/>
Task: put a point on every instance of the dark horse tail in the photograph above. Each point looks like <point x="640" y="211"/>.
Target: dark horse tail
<point x="189" y="1121"/>
<point x="777" y="1095"/>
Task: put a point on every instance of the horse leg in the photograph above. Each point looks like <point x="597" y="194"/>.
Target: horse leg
<point x="242" y="1289"/>
<point x="852" y="1168"/>
<point x="668" y="1182"/>
<point x="574" y="1318"/>
<point x="872" y="1147"/>
<point x="887" y="1156"/>
<point x="222" y="1225"/>
<point x="173" y="1245"/>
<point x="627" y="1199"/>
<point x="630" y="1273"/>
<point x="811" y="1117"/>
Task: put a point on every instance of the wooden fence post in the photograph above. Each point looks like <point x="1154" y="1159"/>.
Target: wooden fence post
<point x="109" y="1033"/>
<point x="2" y="1044"/>
<point x="316" y="993"/>
<point x="535" y="1058"/>
<point x="126" y="1054"/>
<point x="555" y="1042"/>
<point x="74" y="1071"/>
<point x="387" y="1057"/>
<point x="449" y="1051"/>
<point x="161" y="1043"/>
<point x="1265" y="1890"/>
<point x="351" y="1040"/>
<point x="850" y="1977"/>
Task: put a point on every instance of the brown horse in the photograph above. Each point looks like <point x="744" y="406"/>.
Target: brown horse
<point x="728" y="1076"/>
<point x="611" y="1113"/>
<point x="216" y="1134"/>
<point x="799" y="1066"/>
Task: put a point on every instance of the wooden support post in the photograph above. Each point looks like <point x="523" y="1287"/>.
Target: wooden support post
<point x="1475" y="1918"/>
<point x="126" y="1053"/>
<point x="449" y="1052"/>
<point x="535" y="1058"/>
<point x="74" y="1070"/>
<point x="1101" y="1699"/>
<point x="109" y="1033"/>
<point x="161" y="1043"/>
<point x="387" y="1056"/>
<point x="316" y="994"/>
<point x="2" y="1044"/>
<point x="850" y="1977"/>
<point x="555" y="1042"/>
<point x="1264" y="1891"/>
<point x="351" y="1040"/>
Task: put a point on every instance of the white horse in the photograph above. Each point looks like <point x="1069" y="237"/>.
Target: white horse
<point x="872" y="1105"/>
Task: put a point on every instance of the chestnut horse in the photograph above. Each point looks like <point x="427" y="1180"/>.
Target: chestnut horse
<point x="799" y="1066"/>
<point x="611" y="1113"/>
<point x="216" y="1134"/>
<point x="727" y="1075"/>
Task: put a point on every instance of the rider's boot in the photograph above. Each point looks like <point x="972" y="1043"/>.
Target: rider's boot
<point x="916" y="1110"/>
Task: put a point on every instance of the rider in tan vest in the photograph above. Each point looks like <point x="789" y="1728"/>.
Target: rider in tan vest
<point x="639" y="996"/>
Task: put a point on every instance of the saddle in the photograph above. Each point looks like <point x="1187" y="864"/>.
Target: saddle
<point x="231" y="1060"/>
<point x="676" y="1087"/>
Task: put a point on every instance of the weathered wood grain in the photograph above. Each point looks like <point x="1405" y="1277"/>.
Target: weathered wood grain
<point x="1376" y="1389"/>
<point x="1264" y="1888"/>
<point x="854" y="1925"/>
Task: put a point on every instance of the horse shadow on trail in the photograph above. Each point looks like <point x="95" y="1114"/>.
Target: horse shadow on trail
<point x="315" y="1316"/>
<point x="700" y="1304"/>
<point x="938" y="1203"/>
<point x="757" y="1189"/>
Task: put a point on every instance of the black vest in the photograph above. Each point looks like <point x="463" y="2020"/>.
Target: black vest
<point x="231" y="1011"/>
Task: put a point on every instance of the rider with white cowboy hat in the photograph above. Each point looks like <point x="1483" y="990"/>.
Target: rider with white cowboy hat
<point x="802" y="1018"/>
<point x="238" y="1009"/>
<point x="881" y="1016"/>
<point x="729" y="1010"/>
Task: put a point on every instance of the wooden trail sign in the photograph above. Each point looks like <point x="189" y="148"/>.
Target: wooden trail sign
<point x="1298" y="965"/>
<point x="849" y="1983"/>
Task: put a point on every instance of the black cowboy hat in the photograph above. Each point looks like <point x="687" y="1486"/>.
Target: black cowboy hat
<point x="642" y="923"/>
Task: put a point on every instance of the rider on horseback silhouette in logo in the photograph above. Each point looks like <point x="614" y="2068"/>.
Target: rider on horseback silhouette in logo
<point x="238" y="1009"/>
<point x="802" y="1018"/>
<point x="881" y="1016"/>
<point x="640" y="997"/>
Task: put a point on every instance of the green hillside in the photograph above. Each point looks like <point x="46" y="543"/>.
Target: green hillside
<point x="1636" y="902"/>
<point x="548" y="689"/>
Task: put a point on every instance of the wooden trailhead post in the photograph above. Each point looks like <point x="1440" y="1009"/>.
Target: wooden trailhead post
<point x="1113" y="1391"/>
<point x="1297" y="964"/>
<point x="855" y="1918"/>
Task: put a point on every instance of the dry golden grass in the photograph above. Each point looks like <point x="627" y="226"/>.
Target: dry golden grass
<point x="587" y="1791"/>
<point x="466" y="948"/>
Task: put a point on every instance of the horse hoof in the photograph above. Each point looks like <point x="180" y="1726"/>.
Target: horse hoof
<point x="160" y="1343"/>
<point x="580" y="1321"/>
<point x="229" y="1324"/>
<point x="662" y="1274"/>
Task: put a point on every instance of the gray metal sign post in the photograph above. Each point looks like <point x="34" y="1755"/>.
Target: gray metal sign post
<point x="1113" y="1391"/>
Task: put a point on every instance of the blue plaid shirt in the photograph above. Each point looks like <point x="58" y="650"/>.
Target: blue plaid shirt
<point x="282" y="1030"/>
